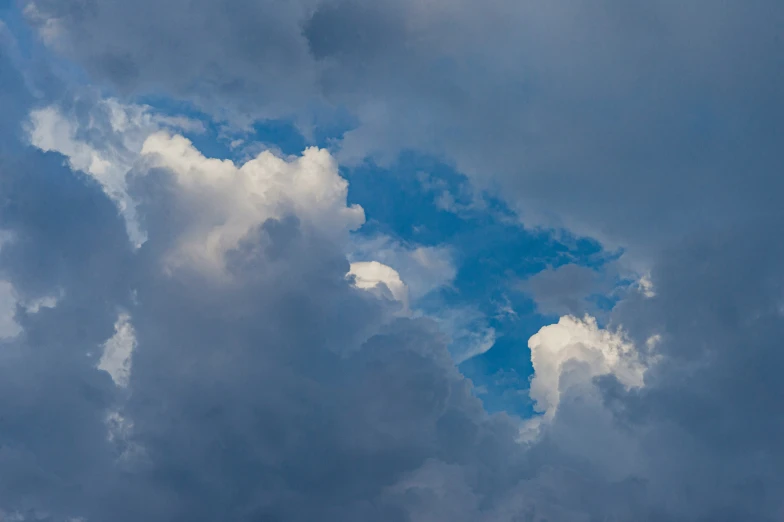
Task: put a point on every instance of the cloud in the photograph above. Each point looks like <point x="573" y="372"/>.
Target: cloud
<point x="283" y="391"/>
<point x="10" y="306"/>
<point x="574" y="351"/>
<point x="117" y="141"/>
<point x="423" y="268"/>
<point x="118" y="351"/>
<point x="371" y="275"/>
<point x="8" y="325"/>
<point x="424" y="271"/>
<point x="69" y="242"/>
<point x="232" y="200"/>
<point x="468" y="330"/>
<point x="589" y="117"/>
<point x="224" y="411"/>
<point x="706" y="339"/>
<point x="105" y="144"/>
<point x="280" y="391"/>
<point x="565" y="290"/>
<point x="215" y="76"/>
<point x="419" y="273"/>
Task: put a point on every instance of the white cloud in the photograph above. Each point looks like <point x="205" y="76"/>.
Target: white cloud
<point x="423" y="268"/>
<point x="369" y="275"/>
<point x="229" y="200"/>
<point x="574" y="351"/>
<point x="118" y="351"/>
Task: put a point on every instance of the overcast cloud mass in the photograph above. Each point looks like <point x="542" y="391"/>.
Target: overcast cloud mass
<point x="393" y="261"/>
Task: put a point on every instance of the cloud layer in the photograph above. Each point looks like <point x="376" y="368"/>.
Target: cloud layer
<point x="592" y="117"/>
<point x="188" y="337"/>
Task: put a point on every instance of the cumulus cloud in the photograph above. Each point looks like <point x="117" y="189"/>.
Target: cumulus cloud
<point x="225" y="202"/>
<point x="423" y="271"/>
<point x="116" y="138"/>
<point x="574" y="351"/>
<point x="223" y="412"/>
<point x="372" y="275"/>
<point x="283" y="391"/>
<point x="423" y="268"/>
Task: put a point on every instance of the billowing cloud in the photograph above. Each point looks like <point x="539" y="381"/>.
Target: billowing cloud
<point x="575" y="350"/>
<point x="283" y="390"/>
<point x="591" y="117"/>
<point x="423" y="268"/>
<point x="117" y="139"/>
<point x="225" y="202"/>
<point x="206" y="399"/>
<point x="372" y="275"/>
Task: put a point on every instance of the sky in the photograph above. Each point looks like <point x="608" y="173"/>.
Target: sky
<point x="399" y="261"/>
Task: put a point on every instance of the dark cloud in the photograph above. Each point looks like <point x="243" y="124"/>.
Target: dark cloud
<point x="711" y="406"/>
<point x="699" y="441"/>
<point x="284" y="393"/>
<point x="632" y="123"/>
<point x="66" y="240"/>
<point x="260" y="50"/>
<point x="288" y="394"/>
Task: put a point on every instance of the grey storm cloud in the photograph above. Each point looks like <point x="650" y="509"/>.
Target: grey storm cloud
<point x="285" y="393"/>
<point x="566" y="290"/>
<point x="630" y="122"/>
